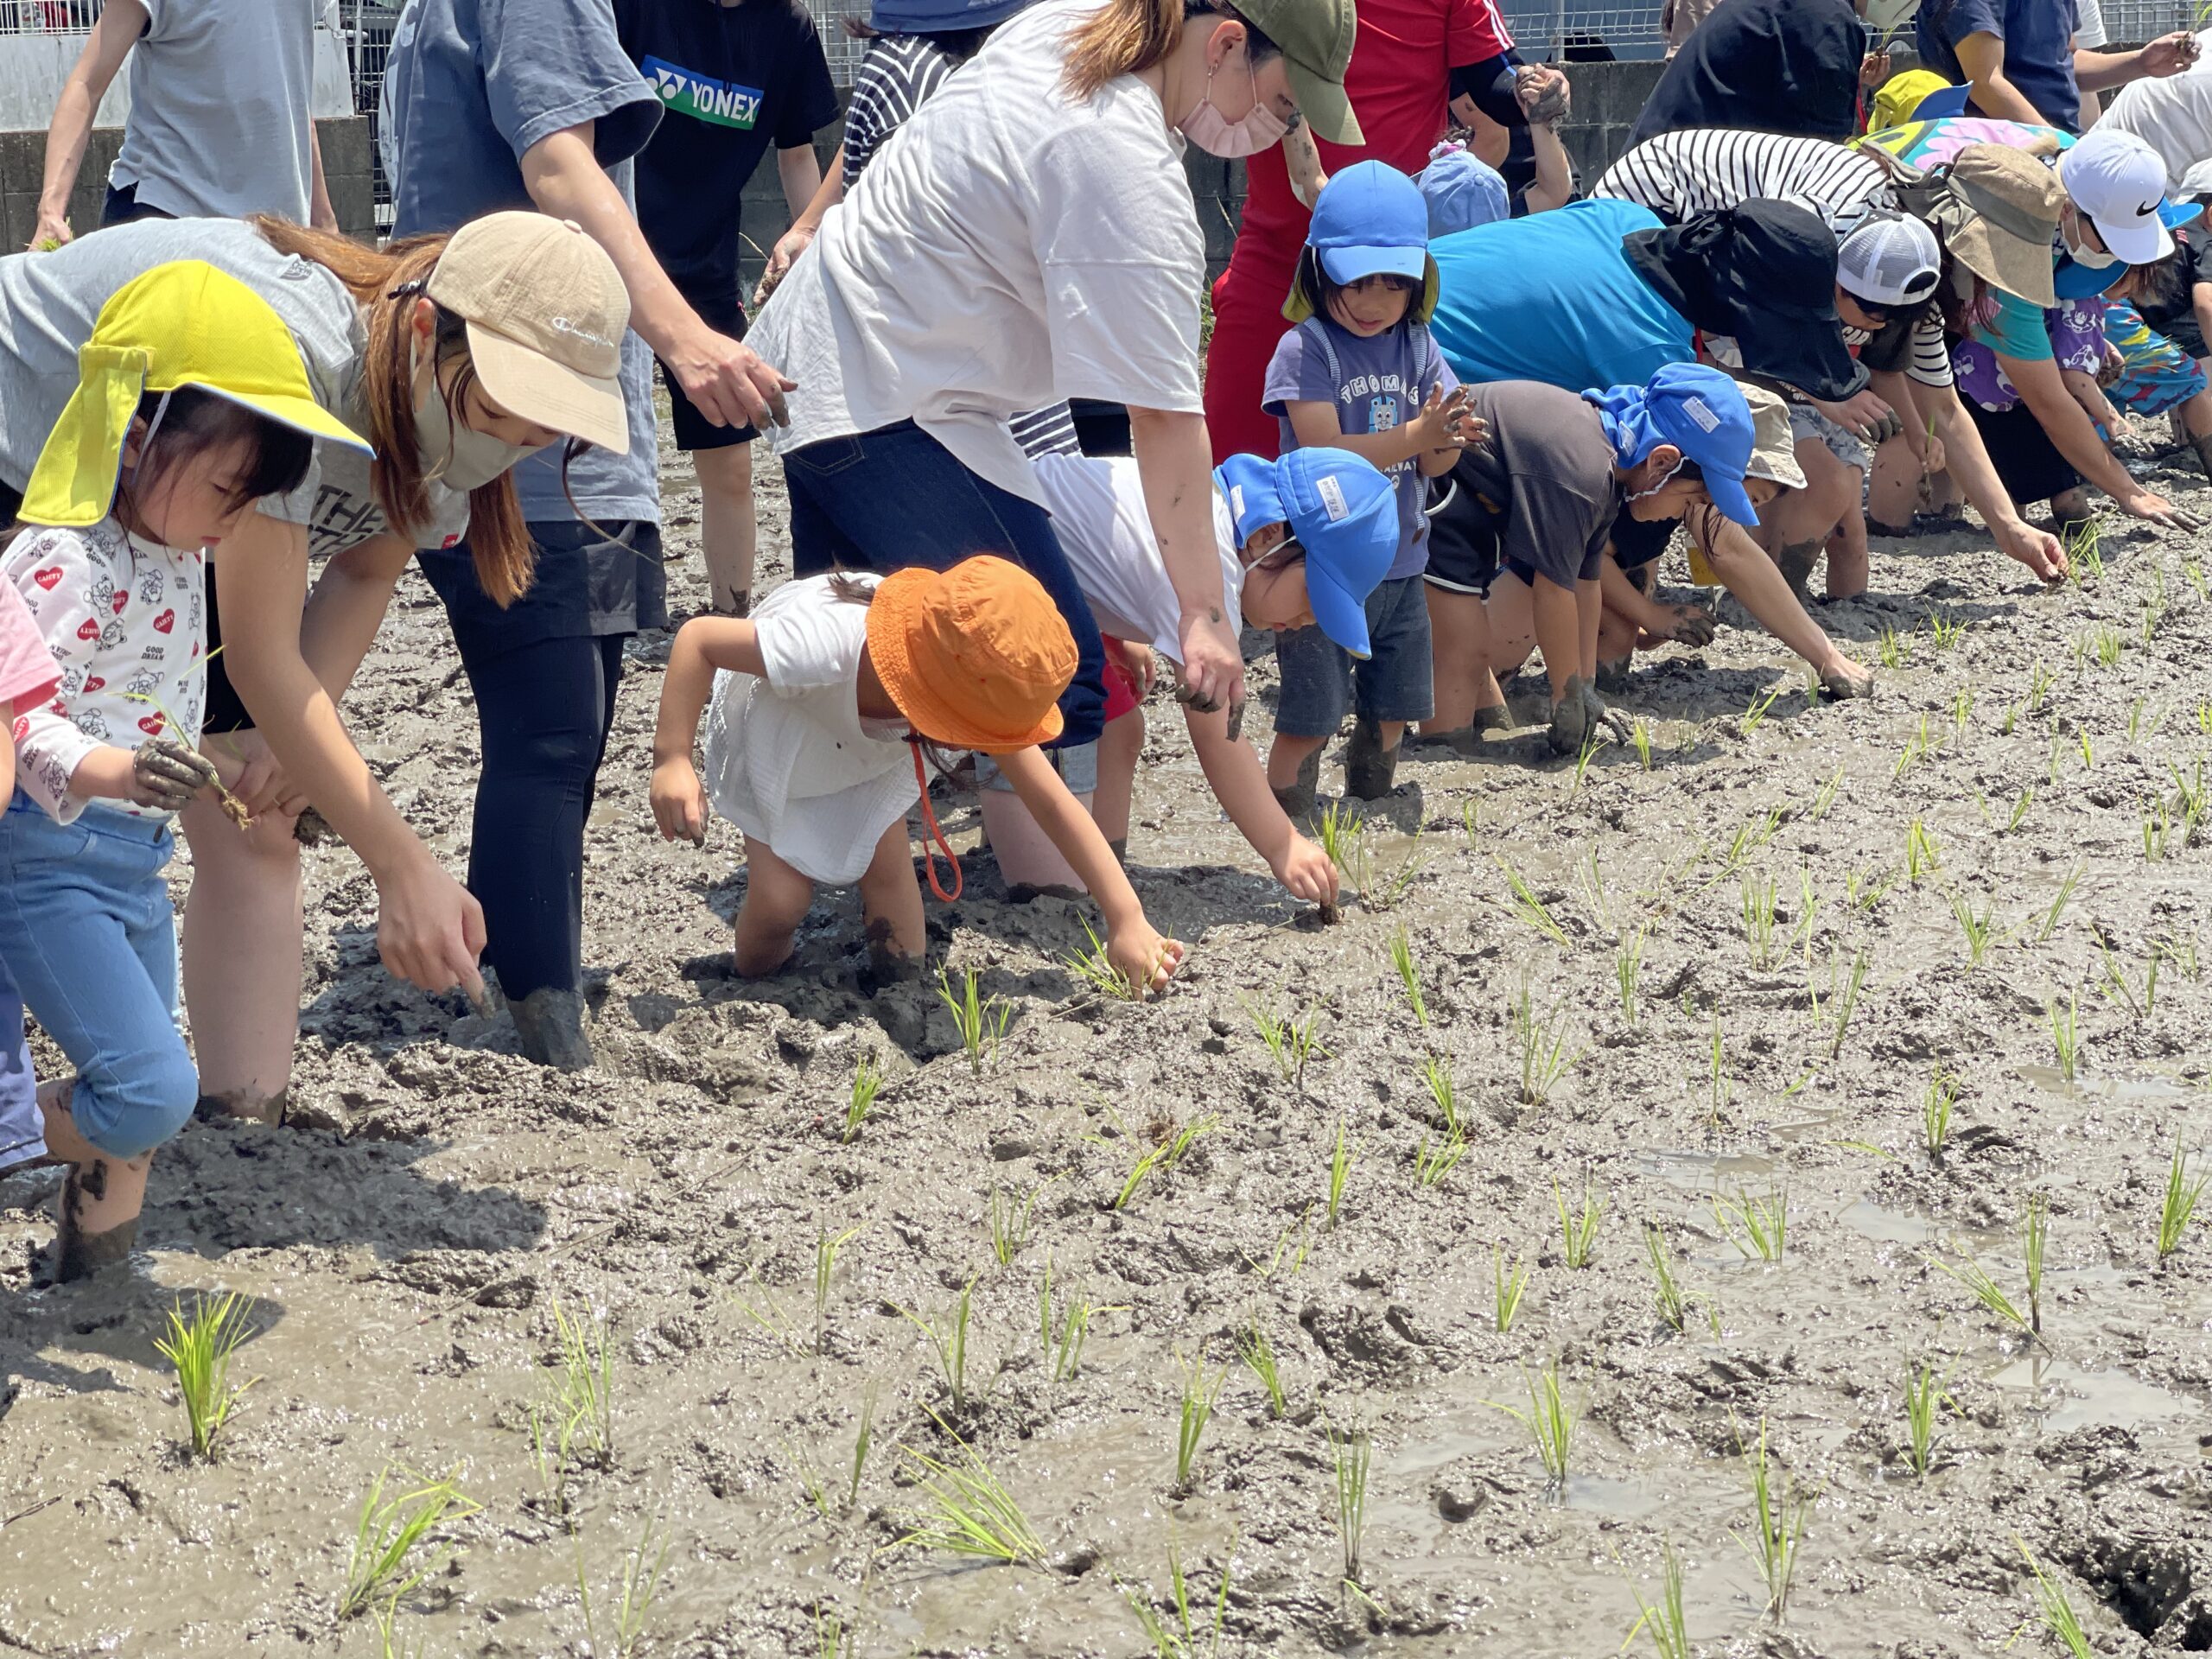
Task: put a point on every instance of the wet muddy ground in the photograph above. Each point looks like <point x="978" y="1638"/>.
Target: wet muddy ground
<point x="410" y="1242"/>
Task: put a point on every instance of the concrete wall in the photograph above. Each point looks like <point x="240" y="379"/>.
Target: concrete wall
<point x="346" y="165"/>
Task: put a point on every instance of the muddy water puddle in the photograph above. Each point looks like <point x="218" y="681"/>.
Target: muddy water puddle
<point x="2063" y="1396"/>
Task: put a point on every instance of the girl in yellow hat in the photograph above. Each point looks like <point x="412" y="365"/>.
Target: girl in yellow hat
<point x="192" y="405"/>
<point x="821" y="707"/>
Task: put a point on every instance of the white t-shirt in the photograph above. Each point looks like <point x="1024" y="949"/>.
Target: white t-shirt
<point x="788" y="759"/>
<point x="1013" y="247"/>
<point x="1098" y="513"/>
<point x="2173" y="115"/>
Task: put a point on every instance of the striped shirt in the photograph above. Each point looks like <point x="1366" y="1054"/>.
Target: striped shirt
<point x="899" y="74"/>
<point x="1704" y="169"/>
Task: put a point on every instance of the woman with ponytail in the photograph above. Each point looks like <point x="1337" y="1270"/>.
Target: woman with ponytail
<point x="1030" y="237"/>
<point x="439" y="351"/>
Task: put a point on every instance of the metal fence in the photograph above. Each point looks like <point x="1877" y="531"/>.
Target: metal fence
<point x="1570" y="28"/>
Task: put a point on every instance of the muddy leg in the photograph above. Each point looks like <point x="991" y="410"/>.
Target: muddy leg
<point x="97" y="1219"/>
<point x="776" y="900"/>
<point x="891" y="910"/>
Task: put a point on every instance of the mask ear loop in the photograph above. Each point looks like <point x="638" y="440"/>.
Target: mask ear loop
<point x="146" y="445"/>
<point x="932" y="834"/>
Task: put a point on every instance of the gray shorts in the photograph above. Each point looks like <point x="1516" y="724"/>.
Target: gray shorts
<point x="1321" y="683"/>
<point x="1805" y="422"/>
<point x="1078" y="764"/>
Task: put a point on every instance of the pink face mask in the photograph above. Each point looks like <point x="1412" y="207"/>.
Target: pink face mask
<point x="1213" y="132"/>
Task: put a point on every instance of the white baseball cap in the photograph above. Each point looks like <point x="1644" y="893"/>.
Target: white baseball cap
<point x="2118" y="181"/>
<point x="1889" y="259"/>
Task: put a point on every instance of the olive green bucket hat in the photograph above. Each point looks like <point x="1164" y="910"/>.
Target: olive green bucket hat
<point x="1315" y="36"/>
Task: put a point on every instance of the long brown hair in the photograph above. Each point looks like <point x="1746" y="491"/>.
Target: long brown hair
<point x="387" y="280"/>
<point x="1128" y="37"/>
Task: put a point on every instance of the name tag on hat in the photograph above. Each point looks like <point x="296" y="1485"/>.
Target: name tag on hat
<point x="1696" y="409"/>
<point x="1332" y="498"/>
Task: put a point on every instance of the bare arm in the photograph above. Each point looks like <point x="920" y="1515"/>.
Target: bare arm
<point x="2043" y="389"/>
<point x="729" y="383"/>
<point x="799" y="170"/>
<point x="702" y="645"/>
<point x="120" y="24"/>
<point x="347" y="607"/>
<point x="1981" y="55"/>
<point x="1968" y="459"/>
<point x="1553" y="185"/>
<point x="321" y="214"/>
<point x="1240" y="783"/>
<point x="1303" y="161"/>
<point x="2097" y="72"/>
<point x="428" y="931"/>
<point x="1175" y="461"/>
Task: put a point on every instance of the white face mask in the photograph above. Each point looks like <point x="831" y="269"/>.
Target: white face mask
<point x="1213" y="132"/>
<point x="2094" y="258"/>
<point x="459" y="457"/>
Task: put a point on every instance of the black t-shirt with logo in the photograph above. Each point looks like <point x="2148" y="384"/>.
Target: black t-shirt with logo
<point x="731" y="79"/>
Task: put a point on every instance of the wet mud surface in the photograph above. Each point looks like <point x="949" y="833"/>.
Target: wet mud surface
<point x="406" y="1241"/>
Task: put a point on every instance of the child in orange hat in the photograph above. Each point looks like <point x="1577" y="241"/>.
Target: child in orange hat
<point x="814" y="707"/>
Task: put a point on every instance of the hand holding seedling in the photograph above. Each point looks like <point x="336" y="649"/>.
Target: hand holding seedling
<point x="166" y="774"/>
<point x="1685" y="624"/>
<point x="1308" y="873"/>
<point x="1143" y="957"/>
<point x="250" y="771"/>
<point x="679" y="802"/>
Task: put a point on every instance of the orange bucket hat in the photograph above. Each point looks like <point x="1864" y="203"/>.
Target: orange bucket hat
<point x="976" y="657"/>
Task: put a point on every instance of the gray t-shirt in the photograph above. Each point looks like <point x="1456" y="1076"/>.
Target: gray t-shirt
<point x="1543" y="481"/>
<point x="470" y="86"/>
<point x="220" y="119"/>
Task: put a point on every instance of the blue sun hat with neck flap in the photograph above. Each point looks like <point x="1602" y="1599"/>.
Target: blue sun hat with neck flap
<point x="1340" y="509"/>
<point x="1701" y="412"/>
<point x="1370" y="221"/>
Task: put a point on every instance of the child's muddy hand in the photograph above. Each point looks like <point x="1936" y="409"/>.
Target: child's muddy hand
<point x="1685" y="624"/>
<point x="1308" y="873"/>
<point x="1143" y="958"/>
<point x="166" y="774"/>
<point x="679" y="804"/>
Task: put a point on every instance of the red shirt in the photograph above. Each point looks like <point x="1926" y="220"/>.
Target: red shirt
<point x="1400" y="81"/>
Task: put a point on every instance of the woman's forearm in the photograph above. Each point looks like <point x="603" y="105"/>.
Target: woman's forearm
<point x="346" y="608"/>
<point x="1967" y="459"/>
<point x="1176" y="465"/>
<point x="2068" y="426"/>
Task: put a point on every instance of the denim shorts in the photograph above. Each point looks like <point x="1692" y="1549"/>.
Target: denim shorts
<point x="88" y="934"/>
<point x="1077" y="766"/>
<point x="1321" y="683"/>
<point x="1805" y="422"/>
<point x="23" y="1131"/>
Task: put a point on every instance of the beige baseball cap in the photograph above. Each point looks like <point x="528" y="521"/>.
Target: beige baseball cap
<point x="546" y="311"/>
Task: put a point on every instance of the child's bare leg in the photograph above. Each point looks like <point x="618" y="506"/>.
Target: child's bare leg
<point x="242" y="960"/>
<point x="1459" y="625"/>
<point x="1800" y="519"/>
<point x="1848" y="560"/>
<point x="1120" y="747"/>
<point x="891" y="906"/>
<point x="101" y="1198"/>
<point x="776" y="901"/>
<point x="1892" y="495"/>
<point x="1026" y="855"/>
<point x="727" y="530"/>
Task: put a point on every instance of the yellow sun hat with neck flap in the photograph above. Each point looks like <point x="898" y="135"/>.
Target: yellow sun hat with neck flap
<point x="181" y="324"/>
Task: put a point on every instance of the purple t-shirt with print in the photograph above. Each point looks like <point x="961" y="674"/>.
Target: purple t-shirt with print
<point x="1377" y="384"/>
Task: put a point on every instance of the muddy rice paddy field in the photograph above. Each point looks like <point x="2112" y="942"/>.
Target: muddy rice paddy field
<point x="1829" y="922"/>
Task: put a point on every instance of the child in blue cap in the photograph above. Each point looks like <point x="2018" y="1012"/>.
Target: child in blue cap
<point x="1360" y="374"/>
<point x="1303" y="541"/>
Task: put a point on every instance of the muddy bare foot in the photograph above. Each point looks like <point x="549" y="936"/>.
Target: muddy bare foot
<point x="240" y="1106"/>
<point x="81" y="1250"/>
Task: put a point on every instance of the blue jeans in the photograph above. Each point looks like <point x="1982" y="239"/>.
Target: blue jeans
<point x="896" y="498"/>
<point x="23" y="1131"/>
<point x="87" y="930"/>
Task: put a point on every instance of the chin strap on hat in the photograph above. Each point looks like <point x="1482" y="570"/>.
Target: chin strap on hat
<point x="932" y="837"/>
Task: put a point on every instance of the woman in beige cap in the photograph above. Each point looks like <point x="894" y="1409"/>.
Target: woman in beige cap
<point x="456" y="357"/>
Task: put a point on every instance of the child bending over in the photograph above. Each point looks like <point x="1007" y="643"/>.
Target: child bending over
<point x="193" y="405"/>
<point x="817" y="710"/>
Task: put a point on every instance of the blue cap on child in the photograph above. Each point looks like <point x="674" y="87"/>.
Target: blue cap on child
<point x="1462" y="191"/>
<point x="1702" y="413"/>
<point x="1340" y="509"/>
<point x="939" y="16"/>
<point x="1370" y="220"/>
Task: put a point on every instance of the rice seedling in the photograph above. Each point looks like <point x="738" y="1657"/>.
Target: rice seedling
<point x="2158" y="830"/>
<point x="2040" y="680"/>
<point x="2195" y="572"/>
<point x="1446" y="1095"/>
<point x="1991" y="1295"/>
<point x="1935" y="1104"/>
<point x="1673" y="1307"/>
<point x="1895" y="650"/>
<point x="1758" y="919"/>
<point x="1578" y="1232"/>
<point x="1387" y="894"/>
<point x="1198" y="1394"/>
<point x="1163" y="1156"/>
<point x="1352" y="1452"/>
<point x="969" y="1511"/>
<point x="833" y="1638"/>
<point x="1470" y="816"/>
<point x="390" y="1645"/>
<point x="1508" y="1285"/>
<point x="2109" y="643"/>
<point x="980" y="1021"/>
<point x="1292" y="1042"/>
<point x="1549" y="1420"/>
<point x="2191" y="798"/>
<point x="2065" y="1037"/>
<point x="2134" y="718"/>
<point x="2058" y="1609"/>
<point x="1947" y="633"/>
<point x="392" y="1550"/>
<point x="1922" y="856"/>
<point x="1628" y="964"/>
<point x="1825" y="798"/>
<point x="2035" y="1237"/>
<point x="2011" y="718"/>
<point x="863" y="1442"/>
<point x="1925" y="1393"/>
<point x="2181" y="955"/>
<point x="1010" y="1221"/>
<point x="2019" y="809"/>
<point x="1755" y="716"/>
<point x="200" y="1346"/>
<point x="1531" y="909"/>
<point x="1978" y="931"/>
<point x="951" y="1342"/>
<point x="1639" y="734"/>
<point x="1662" y="1620"/>
<point x="1582" y="759"/>
<point x="2205" y="716"/>
<point x="2085" y="554"/>
<point x="1176" y="1636"/>
<point x="2088" y="754"/>
<point x="1867" y="891"/>
<point x="1259" y="1357"/>
<point x="1283" y="1248"/>
<point x="1840" y="1004"/>
<point x="1544" y="1056"/>
<point x="1095" y="968"/>
<point x="1340" y="1162"/>
<point x="2058" y="905"/>
<point x="1764" y="1222"/>
<point x="867" y="1082"/>
<point x="1065" y="1348"/>
<point x="1436" y="1157"/>
<point x="1961" y="712"/>
<point x="1780" y="1518"/>
<point x="2179" y="1207"/>
<point x="1339" y="828"/>
<point x="638" y="1588"/>
<point x="2116" y="982"/>
<point x="1917" y="749"/>
<point x="826" y="1248"/>
<point x="1401" y="958"/>
<point x="585" y="1394"/>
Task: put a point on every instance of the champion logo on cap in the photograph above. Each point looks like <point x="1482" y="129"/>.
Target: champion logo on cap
<point x="1332" y="498"/>
<point x="566" y="326"/>
<point x="1696" y="409"/>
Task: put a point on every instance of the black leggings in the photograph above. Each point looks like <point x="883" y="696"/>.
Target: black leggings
<point x="545" y="709"/>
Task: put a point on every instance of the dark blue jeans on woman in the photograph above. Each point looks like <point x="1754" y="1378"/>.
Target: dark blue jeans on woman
<point x="896" y="498"/>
